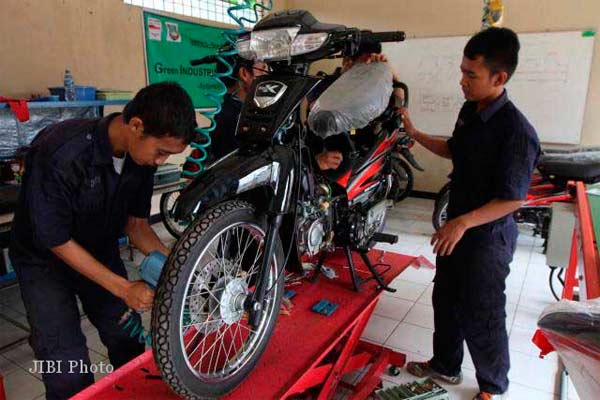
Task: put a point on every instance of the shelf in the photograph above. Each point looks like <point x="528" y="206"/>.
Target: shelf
<point x="70" y="104"/>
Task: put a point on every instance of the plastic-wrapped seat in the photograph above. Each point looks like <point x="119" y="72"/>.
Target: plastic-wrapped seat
<point x="562" y="167"/>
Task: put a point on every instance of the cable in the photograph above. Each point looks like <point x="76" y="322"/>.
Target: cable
<point x="216" y="95"/>
<point x="129" y="323"/>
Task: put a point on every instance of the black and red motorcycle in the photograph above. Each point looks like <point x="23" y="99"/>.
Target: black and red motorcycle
<point x="260" y="210"/>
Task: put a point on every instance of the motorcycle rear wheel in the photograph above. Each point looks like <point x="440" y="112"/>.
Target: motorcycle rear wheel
<point x="403" y="180"/>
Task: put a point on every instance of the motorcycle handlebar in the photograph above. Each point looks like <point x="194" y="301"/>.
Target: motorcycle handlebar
<point x="392" y="36"/>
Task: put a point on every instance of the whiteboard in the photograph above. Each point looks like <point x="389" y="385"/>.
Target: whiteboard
<point x="549" y="86"/>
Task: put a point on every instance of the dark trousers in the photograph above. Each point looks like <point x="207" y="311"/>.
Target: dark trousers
<point x="469" y="305"/>
<point x="49" y="294"/>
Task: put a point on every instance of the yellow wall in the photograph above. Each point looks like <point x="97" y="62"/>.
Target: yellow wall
<point x="426" y="18"/>
<point x="100" y="41"/>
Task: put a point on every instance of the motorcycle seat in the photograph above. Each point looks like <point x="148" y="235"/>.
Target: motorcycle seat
<point x="584" y="166"/>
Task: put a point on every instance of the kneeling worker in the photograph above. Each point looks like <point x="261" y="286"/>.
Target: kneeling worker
<point x="86" y="182"/>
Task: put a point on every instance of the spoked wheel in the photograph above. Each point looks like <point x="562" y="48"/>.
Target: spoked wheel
<point x="167" y="203"/>
<point x="403" y="180"/>
<point x="440" y="210"/>
<point x="202" y="341"/>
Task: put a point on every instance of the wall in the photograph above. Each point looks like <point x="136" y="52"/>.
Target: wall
<point x="101" y="41"/>
<point x="427" y="18"/>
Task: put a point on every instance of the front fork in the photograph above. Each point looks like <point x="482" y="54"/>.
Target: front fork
<point x="255" y="304"/>
<point x="280" y="205"/>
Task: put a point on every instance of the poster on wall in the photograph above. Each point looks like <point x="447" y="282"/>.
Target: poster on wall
<point x="170" y="45"/>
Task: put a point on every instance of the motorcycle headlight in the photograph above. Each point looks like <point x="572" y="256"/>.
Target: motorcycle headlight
<point x="279" y="44"/>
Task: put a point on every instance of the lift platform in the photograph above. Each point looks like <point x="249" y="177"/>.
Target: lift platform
<point x="308" y="353"/>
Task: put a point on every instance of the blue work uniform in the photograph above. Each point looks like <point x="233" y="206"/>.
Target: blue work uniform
<point x="494" y="152"/>
<point x="71" y="190"/>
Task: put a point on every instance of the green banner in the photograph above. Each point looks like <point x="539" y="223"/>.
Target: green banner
<point x="170" y="45"/>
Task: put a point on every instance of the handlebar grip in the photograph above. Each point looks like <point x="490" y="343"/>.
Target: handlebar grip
<point x="394" y="36"/>
<point x="204" y="60"/>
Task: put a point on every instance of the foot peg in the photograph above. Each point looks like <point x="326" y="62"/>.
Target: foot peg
<point x="385" y="238"/>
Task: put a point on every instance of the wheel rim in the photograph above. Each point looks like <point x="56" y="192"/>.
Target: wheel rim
<point x="400" y="183"/>
<point x="175" y="225"/>
<point x="216" y="340"/>
<point x="443" y="214"/>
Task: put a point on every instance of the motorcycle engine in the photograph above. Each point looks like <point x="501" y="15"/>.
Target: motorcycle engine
<point x="315" y="217"/>
<point x="367" y="223"/>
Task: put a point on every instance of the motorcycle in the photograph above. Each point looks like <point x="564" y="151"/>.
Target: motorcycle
<point x="262" y="209"/>
<point x="402" y="174"/>
<point x="549" y="185"/>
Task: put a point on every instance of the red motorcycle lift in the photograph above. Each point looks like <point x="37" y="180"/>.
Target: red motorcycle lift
<point x="308" y="353"/>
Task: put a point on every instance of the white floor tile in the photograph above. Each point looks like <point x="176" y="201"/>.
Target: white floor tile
<point x="412" y="338"/>
<point x="379" y="329"/>
<point x="406" y="290"/>
<point x="520" y="392"/>
<point x="536" y="300"/>
<point x="421" y="315"/>
<point x="466" y="390"/>
<point x="533" y="372"/>
<point x="21" y="385"/>
<point x="422" y="275"/>
<point x="426" y="296"/>
<point x="526" y="318"/>
<point x="520" y="340"/>
<point x="392" y="308"/>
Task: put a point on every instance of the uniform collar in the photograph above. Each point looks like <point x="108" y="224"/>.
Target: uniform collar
<point x="103" y="150"/>
<point x="494" y="106"/>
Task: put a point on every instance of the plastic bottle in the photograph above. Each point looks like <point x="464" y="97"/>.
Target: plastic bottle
<point x="69" y="86"/>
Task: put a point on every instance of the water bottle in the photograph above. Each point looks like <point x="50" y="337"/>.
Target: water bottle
<point x="69" y="86"/>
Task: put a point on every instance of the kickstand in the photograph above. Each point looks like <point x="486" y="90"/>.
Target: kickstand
<point x="356" y="281"/>
<point x="318" y="267"/>
<point x="376" y="275"/>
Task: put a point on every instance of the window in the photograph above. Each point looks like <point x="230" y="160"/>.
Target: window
<point x="211" y="10"/>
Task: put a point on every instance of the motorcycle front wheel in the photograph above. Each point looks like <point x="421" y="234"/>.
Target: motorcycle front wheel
<point x="202" y="341"/>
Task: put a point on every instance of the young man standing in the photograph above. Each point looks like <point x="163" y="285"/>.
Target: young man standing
<point x="86" y="182"/>
<point x="493" y="150"/>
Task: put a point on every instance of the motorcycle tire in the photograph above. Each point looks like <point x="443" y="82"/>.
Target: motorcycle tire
<point x="167" y="200"/>
<point x="179" y="277"/>
<point x="440" y="208"/>
<point x="403" y="180"/>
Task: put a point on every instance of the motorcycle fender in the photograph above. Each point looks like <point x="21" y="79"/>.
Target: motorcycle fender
<point x="234" y="174"/>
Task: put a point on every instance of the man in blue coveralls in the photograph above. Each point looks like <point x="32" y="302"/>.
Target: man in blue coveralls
<point x="86" y="182"/>
<point x="493" y="150"/>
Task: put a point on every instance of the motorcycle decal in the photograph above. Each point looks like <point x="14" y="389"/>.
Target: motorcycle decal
<point x="268" y="93"/>
<point x="343" y="181"/>
<point x="362" y="181"/>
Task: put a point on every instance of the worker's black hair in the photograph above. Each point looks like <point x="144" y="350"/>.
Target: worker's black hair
<point x="166" y="109"/>
<point x="238" y="63"/>
<point x="499" y="48"/>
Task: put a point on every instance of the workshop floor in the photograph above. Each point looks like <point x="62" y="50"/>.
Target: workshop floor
<point x="402" y="321"/>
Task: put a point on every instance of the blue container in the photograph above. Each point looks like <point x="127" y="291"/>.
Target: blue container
<point x="82" y="93"/>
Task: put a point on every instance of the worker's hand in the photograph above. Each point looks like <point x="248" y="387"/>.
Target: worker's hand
<point x="376" y="57"/>
<point x="446" y="238"/>
<point x="139" y="296"/>
<point x="329" y="160"/>
<point x="409" y="128"/>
